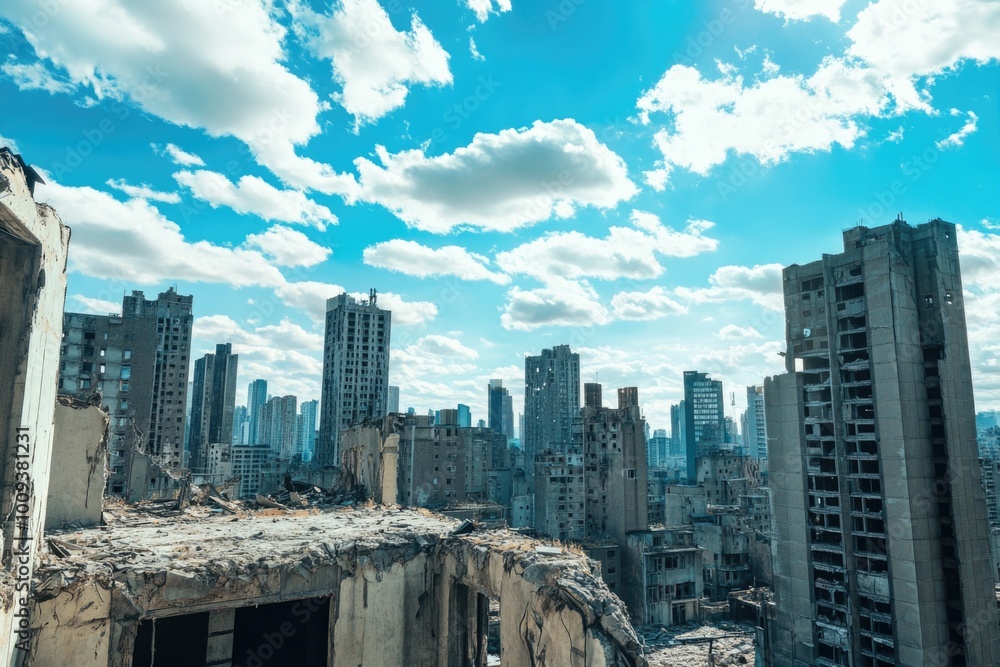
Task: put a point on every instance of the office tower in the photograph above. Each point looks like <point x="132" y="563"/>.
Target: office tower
<point x="658" y="448"/>
<point x="393" y="405"/>
<point x="500" y="409"/>
<point x="754" y="426"/>
<point x="256" y="398"/>
<point x="880" y="537"/>
<point x="279" y="427"/>
<point x="551" y="401"/>
<point x="138" y="363"/>
<point x="592" y="397"/>
<point x="628" y="397"/>
<point x="464" y="416"/>
<point x="677" y="435"/>
<point x="615" y="469"/>
<point x="309" y="411"/>
<point x="212" y="406"/>
<point x="355" y="369"/>
<point x="704" y="419"/>
<point x="239" y="424"/>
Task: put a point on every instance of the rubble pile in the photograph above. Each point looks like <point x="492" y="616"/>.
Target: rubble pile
<point x="690" y="645"/>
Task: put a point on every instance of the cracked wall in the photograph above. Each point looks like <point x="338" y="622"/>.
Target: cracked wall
<point x="33" y="246"/>
<point x="79" y="465"/>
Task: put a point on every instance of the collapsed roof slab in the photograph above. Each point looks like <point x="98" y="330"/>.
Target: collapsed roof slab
<point x="398" y="588"/>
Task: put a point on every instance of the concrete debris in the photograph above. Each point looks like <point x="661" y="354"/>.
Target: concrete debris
<point x="691" y="644"/>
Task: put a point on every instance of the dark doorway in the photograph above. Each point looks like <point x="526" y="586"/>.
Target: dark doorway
<point x="283" y="633"/>
<point x="174" y="640"/>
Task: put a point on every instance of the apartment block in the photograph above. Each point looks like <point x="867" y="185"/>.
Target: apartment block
<point x="551" y="400"/>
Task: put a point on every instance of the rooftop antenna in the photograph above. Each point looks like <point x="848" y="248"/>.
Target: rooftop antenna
<point x="372" y="296"/>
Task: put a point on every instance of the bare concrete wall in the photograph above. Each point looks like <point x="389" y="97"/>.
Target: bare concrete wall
<point x="79" y="465"/>
<point x="33" y="247"/>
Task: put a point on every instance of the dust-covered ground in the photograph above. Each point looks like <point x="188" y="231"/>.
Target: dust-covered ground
<point x="666" y="647"/>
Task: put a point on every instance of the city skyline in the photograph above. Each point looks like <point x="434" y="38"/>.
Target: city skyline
<point x="252" y="233"/>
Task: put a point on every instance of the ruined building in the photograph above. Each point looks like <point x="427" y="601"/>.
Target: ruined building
<point x="355" y="370"/>
<point x="213" y="402"/>
<point x="138" y="364"/>
<point x="880" y="538"/>
<point x="704" y="418"/>
<point x="551" y="401"/>
<point x="33" y="252"/>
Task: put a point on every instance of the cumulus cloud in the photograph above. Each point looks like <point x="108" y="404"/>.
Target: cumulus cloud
<point x="801" y="10"/>
<point x="414" y="259"/>
<point x="133" y="241"/>
<point x="287" y="247"/>
<point x="649" y="305"/>
<point x="184" y="63"/>
<point x="9" y="143"/>
<point x="179" y="156"/>
<point x="373" y="62"/>
<point x="443" y="346"/>
<point x="285" y="353"/>
<point x="559" y="303"/>
<point x="311" y="296"/>
<point x="531" y="174"/>
<point x="255" y="196"/>
<point x="626" y="252"/>
<point x="768" y="119"/>
<point x="734" y="332"/>
<point x="760" y="284"/>
<point x="958" y="138"/>
<point x="483" y="8"/>
<point x="96" y="306"/>
<point x="143" y="192"/>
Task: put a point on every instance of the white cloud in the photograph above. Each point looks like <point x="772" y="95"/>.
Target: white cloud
<point x="958" y="138"/>
<point x="287" y="247"/>
<point x="218" y="67"/>
<point x="144" y="192"/>
<point x="133" y="241"/>
<point x="285" y="353"/>
<point x="769" y="119"/>
<point x="373" y="62"/>
<point x="626" y="252"/>
<point x="483" y="8"/>
<point x="414" y="259"/>
<point x="733" y="332"/>
<point x="559" y="303"/>
<point x="96" y="306"/>
<point x="9" y="143"/>
<point x="179" y="155"/>
<point x="761" y="284"/>
<point x="650" y="305"/>
<point x="443" y="346"/>
<point x="532" y="174"/>
<point x="801" y="10"/>
<point x="35" y="76"/>
<point x="476" y="55"/>
<point x="254" y="195"/>
<point x="311" y="296"/>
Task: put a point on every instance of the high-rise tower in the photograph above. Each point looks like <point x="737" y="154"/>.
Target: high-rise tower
<point x="880" y="538"/>
<point x="355" y="369"/>
<point x="551" y="400"/>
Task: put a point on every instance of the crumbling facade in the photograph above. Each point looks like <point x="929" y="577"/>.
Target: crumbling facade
<point x="33" y="250"/>
<point x="344" y="588"/>
<point x="79" y="465"/>
<point x="880" y="537"/>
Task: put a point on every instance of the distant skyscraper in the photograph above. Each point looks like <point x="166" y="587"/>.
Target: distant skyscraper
<point x="464" y="416"/>
<point x="551" y="400"/>
<point x="136" y="361"/>
<point x="256" y="398"/>
<point x="658" y="448"/>
<point x="393" y="399"/>
<point x="239" y="424"/>
<point x="754" y="426"/>
<point x="500" y="409"/>
<point x="213" y="403"/>
<point x="307" y="429"/>
<point x="279" y="426"/>
<point x="880" y="534"/>
<point x="592" y="397"/>
<point x="355" y="370"/>
<point x="705" y="420"/>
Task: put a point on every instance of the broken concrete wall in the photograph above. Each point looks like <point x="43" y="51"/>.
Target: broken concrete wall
<point x="399" y="588"/>
<point x="369" y="457"/>
<point x="33" y="246"/>
<point x="79" y="465"/>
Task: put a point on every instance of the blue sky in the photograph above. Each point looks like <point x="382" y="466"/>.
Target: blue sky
<point x="625" y="177"/>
